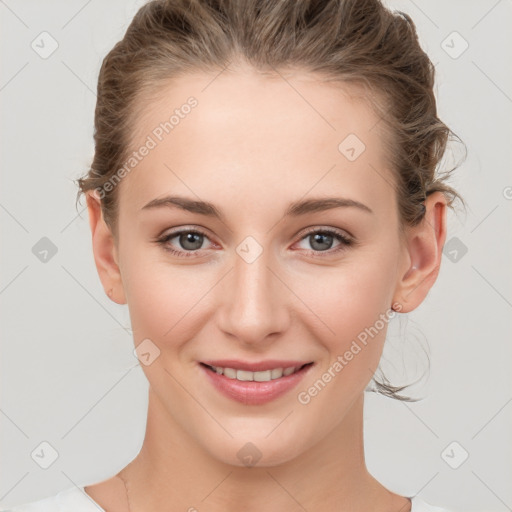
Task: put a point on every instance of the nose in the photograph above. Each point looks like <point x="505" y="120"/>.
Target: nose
<point x="254" y="301"/>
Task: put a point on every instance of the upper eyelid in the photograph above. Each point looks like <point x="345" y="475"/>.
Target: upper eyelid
<point x="313" y="229"/>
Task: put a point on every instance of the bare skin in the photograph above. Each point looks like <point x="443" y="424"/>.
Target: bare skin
<point x="251" y="147"/>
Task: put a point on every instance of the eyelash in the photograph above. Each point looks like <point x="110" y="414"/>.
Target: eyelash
<point x="345" y="242"/>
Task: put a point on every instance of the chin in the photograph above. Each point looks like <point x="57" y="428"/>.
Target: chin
<point x="259" y="452"/>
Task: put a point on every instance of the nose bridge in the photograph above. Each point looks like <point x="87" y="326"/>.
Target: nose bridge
<point x="254" y="303"/>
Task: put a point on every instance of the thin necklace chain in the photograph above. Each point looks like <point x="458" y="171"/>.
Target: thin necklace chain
<point x="128" y="497"/>
<point x="126" y="491"/>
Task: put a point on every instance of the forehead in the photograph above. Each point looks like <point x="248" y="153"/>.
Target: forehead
<point x="249" y="134"/>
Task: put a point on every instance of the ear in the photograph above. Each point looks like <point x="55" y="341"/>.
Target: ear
<point x="423" y="253"/>
<point x="105" y="250"/>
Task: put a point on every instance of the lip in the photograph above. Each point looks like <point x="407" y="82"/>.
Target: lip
<point x="252" y="392"/>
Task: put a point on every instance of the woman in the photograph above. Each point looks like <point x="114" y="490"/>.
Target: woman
<point x="264" y="198"/>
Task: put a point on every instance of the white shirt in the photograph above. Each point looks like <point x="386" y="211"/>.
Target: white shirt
<point x="76" y="499"/>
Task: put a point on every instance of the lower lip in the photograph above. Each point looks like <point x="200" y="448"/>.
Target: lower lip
<point x="255" y="393"/>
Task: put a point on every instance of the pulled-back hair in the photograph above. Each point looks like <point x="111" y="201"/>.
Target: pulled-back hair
<point x="355" y="42"/>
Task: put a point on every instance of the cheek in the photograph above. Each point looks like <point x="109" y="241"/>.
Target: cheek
<point x="352" y="296"/>
<point x="164" y="300"/>
<point x="354" y="304"/>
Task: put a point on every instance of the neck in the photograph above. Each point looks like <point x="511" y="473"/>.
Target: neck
<point x="172" y="468"/>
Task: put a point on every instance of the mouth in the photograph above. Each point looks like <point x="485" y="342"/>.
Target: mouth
<point x="256" y="376"/>
<point x="257" y="386"/>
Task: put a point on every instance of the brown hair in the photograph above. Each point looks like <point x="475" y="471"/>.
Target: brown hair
<point x="356" y="42"/>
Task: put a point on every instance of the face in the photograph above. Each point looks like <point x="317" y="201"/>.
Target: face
<point x="263" y="273"/>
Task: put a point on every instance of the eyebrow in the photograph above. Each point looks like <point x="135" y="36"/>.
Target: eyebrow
<point x="295" y="209"/>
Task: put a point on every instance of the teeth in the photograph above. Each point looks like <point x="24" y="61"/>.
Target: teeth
<point x="264" y="376"/>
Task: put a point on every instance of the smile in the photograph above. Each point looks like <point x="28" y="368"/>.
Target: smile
<point x="258" y="386"/>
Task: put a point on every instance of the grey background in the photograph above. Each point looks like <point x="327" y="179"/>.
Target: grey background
<point x="67" y="370"/>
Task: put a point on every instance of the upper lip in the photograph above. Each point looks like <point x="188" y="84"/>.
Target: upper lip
<point x="255" y="366"/>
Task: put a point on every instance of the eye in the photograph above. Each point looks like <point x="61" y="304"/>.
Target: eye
<point x="321" y="240"/>
<point x="189" y="241"/>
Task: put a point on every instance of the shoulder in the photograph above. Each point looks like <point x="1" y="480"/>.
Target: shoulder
<point x="418" y="505"/>
<point x="76" y="500"/>
<point x="69" y="500"/>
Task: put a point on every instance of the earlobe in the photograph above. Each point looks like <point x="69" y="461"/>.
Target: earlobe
<point x="104" y="250"/>
<point x="424" y="250"/>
